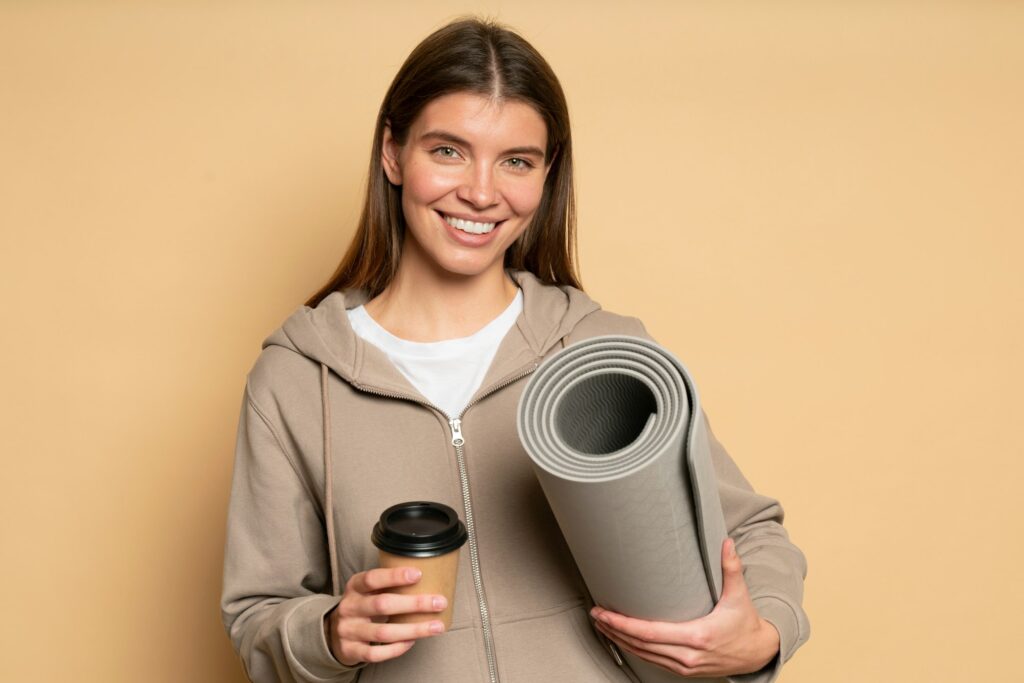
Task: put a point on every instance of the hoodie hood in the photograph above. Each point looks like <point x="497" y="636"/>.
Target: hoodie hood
<point x="323" y="334"/>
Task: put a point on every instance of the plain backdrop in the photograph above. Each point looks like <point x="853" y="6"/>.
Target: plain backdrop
<point x="843" y="182"/>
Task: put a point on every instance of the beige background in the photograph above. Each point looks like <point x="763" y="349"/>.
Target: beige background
<point x="817" y="206"/>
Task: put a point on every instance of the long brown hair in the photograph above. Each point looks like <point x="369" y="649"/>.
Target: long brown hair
<point x="485" y="58"/>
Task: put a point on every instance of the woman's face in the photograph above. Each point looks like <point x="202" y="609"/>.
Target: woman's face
<point x="472" y="174"/>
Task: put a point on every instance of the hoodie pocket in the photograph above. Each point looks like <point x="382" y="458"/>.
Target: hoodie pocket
<point x="452" y="657"/>
<point x="554" y="647"/>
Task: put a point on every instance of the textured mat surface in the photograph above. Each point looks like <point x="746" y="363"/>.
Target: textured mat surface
<point x="612" y="426"/>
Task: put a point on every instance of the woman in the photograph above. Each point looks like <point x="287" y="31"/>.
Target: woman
<point x="458" y="283"/>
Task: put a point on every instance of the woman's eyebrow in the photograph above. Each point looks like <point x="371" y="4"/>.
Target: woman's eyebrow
<point x="455" y="139"/>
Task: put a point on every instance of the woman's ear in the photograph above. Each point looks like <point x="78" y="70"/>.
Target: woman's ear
<point x="389" y="156"/>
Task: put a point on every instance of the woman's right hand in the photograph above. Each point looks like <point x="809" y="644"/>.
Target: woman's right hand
<point x="356" y="629"/>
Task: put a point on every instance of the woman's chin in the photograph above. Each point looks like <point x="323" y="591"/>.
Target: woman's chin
<point x="455" y="261"/>
<point x="469" y="268"/>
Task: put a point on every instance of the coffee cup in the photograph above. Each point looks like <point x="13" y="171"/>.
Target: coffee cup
<point x="426" y="536"/>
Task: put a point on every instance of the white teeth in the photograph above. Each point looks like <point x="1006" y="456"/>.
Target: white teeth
<point x="469" y="226"/>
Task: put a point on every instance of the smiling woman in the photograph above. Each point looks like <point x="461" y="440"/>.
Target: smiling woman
<point x="472" y="173"/>
<point x="461" y="87"/>
<point x="399" y="380"/>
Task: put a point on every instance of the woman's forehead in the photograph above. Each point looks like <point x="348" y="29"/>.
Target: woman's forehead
<point x="482" y="121"/>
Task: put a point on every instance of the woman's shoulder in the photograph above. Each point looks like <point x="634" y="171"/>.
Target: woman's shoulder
<point x="277" y="364"/>
<point x="602" y="322"/>
<point x="572" y="308"/>
<point x="288" y="364"/>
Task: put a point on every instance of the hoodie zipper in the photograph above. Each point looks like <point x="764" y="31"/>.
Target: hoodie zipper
<point x="459" y="441"/>
<point x="474" y="554"/>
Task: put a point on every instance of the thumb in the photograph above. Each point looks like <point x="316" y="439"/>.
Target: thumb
<point x="733" y="585"/>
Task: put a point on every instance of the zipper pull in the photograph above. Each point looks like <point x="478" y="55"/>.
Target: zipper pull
<point x="456" y="425"/>
<point x="616" y="655"/>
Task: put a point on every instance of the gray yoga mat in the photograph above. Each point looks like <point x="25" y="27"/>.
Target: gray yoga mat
<point x="613" y="427"/>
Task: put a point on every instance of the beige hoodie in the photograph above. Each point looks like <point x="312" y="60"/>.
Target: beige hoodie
<point x="527" y="622"/>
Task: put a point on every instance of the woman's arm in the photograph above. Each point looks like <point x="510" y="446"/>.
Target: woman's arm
<point x="275" y="591"/>
<point x="758" y="623"/>
<point x="773" y="569"/>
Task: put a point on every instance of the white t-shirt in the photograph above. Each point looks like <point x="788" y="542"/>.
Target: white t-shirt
<point x="446" y="372"/>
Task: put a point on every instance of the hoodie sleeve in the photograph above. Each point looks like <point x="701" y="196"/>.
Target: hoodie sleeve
<point x="275" y="591"/>
<point x="773" y="568"/>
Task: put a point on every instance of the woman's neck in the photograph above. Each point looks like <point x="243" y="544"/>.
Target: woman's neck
<point x="427" y="304"/>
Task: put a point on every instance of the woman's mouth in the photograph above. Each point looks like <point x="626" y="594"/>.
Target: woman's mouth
<point x="472" y="227"/>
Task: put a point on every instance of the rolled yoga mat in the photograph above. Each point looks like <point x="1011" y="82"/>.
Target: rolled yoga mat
<point x="613" y="427"/>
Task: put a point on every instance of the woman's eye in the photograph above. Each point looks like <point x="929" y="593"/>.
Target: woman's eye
<point x="519" y="163"/>
<point x="446" y="152"/>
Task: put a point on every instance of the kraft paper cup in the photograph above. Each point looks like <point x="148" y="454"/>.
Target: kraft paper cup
<point x="426" y="536"/>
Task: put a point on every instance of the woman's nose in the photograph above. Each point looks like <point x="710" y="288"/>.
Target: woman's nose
<point x="478" y="188"/>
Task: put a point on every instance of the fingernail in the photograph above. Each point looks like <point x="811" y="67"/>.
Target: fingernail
<point x="440" y="603"/>
<point x="413" y="575"/>
<point x="732" y="547"/>
<point x="605" y="618"/>
<point x="593" y="611"/>
<point x="436" y="627"/>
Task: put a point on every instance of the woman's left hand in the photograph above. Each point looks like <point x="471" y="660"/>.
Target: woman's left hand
<point x="732" y="639"/>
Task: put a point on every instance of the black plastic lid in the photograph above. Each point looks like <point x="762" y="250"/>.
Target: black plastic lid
<point x="419" y="529"/>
